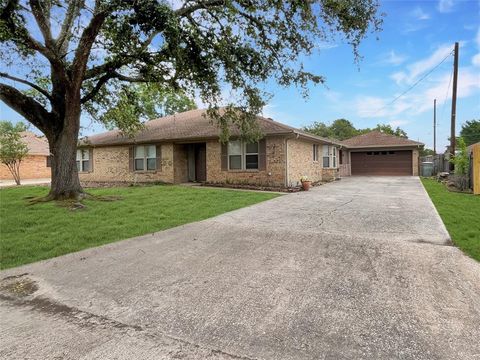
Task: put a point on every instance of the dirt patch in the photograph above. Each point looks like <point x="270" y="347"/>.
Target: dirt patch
<point x="18" y="286"/>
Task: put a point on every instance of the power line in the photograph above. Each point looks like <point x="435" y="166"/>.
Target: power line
<point x="415" y="84"/>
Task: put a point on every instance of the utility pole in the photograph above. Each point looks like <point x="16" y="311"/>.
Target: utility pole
<point x="435" y="126"/>
<point x="454" y="104"/>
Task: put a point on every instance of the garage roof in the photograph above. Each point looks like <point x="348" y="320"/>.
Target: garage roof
<point x="378" y="139"/>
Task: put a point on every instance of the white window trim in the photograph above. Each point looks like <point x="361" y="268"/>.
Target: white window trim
<point x="315" y="152"/>
<point x="145" y="158"/>
<point x="332" y="157"/>
<point x="84" y="156"/>
<point x="243" y="157"/>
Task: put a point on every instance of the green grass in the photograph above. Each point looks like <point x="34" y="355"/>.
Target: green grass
<point x="30" y="233"/>
<point x="461" y="215"/>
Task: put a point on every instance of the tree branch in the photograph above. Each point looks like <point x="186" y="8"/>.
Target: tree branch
<point x="32" y="85"/>
<point x="73" y="11"/>
<point x="183" y="11"/>
<point x="85" y="44"/>
<point x="29" y="108"/>
<point x="22" y="35"/>
<point x="42" y="18"/>
<point x="105" y="78"/>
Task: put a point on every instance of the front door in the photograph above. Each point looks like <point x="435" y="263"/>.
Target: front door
<point x="200" y="162"/>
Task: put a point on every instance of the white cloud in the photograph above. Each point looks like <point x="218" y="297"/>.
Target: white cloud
<point x="324" y="45"/>
<point x="418" y="68"/>
<point x="373" y="106"/>
<point x="412" y="27"/>
<point x="395" y="123"/>
<point x="419" y="14"/>
<point x="445" y="6"/>
<point x="392" y="58"/>
<point x="421" y="98"/>
<point x="476" y="60"/>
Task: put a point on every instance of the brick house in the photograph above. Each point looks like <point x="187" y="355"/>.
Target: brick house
<point x="36" y="164"/>
<point x="185" y="147"/>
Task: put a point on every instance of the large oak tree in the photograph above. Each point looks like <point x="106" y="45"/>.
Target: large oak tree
<point x="76" y="55"/>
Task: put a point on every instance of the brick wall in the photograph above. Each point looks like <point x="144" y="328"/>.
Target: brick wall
<point x="274" y="175"/>
<point x="415" y="155"/>
<point x="110" y="164"/>
<point x="31" y="167"/>
<point x="300" y="162"/>
<point x="329" y="174"/>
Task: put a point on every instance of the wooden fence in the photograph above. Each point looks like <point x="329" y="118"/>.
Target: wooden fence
<point x="475" y="168"/>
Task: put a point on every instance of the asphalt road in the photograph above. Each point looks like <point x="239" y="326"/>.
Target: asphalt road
<point x="362" y="268"/>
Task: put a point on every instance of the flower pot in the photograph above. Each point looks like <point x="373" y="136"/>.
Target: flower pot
<point x="306" y="185"/>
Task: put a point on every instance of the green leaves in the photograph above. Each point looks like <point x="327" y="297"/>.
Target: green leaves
<point x="471" y="132"/>
<point x="461" y="159"/>
<point x="12" y="148"/>
<point x="343" y="129"/>
<point x="127" y="107"/>
<point x="200" y="47"/>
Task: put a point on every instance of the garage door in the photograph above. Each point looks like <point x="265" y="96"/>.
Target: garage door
<point x="382" y="162"/>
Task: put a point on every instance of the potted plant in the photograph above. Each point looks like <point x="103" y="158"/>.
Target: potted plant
<point x="306" y="183"/>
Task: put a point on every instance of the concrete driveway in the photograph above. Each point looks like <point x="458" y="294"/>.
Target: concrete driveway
<point x="357" y="269"/>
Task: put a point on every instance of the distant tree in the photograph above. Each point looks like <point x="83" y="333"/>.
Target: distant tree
<point x="471" y="132"/>
<point x="388" y="129"/>
<point x="426" y="152"/>
<point x="143" y="101"/>
<point x="318" y="128"/>
<point x="12" y="148"/>
<point x="342" y="129"/>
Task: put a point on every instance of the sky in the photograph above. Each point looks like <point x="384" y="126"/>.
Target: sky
<point x="416" y="37"/>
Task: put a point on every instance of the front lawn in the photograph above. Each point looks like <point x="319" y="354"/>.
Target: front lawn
<point x="460" y="214"/>
<point x="30" y="233"/>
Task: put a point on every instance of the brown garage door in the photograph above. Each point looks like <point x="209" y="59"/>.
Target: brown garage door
<point x="382" y="162"/>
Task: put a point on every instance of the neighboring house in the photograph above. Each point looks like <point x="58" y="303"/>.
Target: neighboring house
<point x="36" y="165"/>
<point x="376" y="153"/>
<point x="185" y="147"/>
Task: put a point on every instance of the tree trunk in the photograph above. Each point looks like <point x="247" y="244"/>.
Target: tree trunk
<point x="63" y="146"/>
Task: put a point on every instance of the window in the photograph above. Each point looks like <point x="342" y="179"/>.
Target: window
<point x="83" y="160"/>
<point x="145" y="157"/>
<point x="329" y="156"/>
<point x="315" y="152"/>
<point x="391" y="152"/>
<point x="326" y="156"/>
<point x="49" y="161"/>
<point x="251" y="155"/>
<point x="369" y="153"/>
<point x="242" y="155"/>
<point x="235" y="155"/>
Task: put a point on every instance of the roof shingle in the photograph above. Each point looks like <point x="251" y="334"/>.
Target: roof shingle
<point x="378" y="139"/>
<point x="37" y="145"/>
<point x="189" y="125"/>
